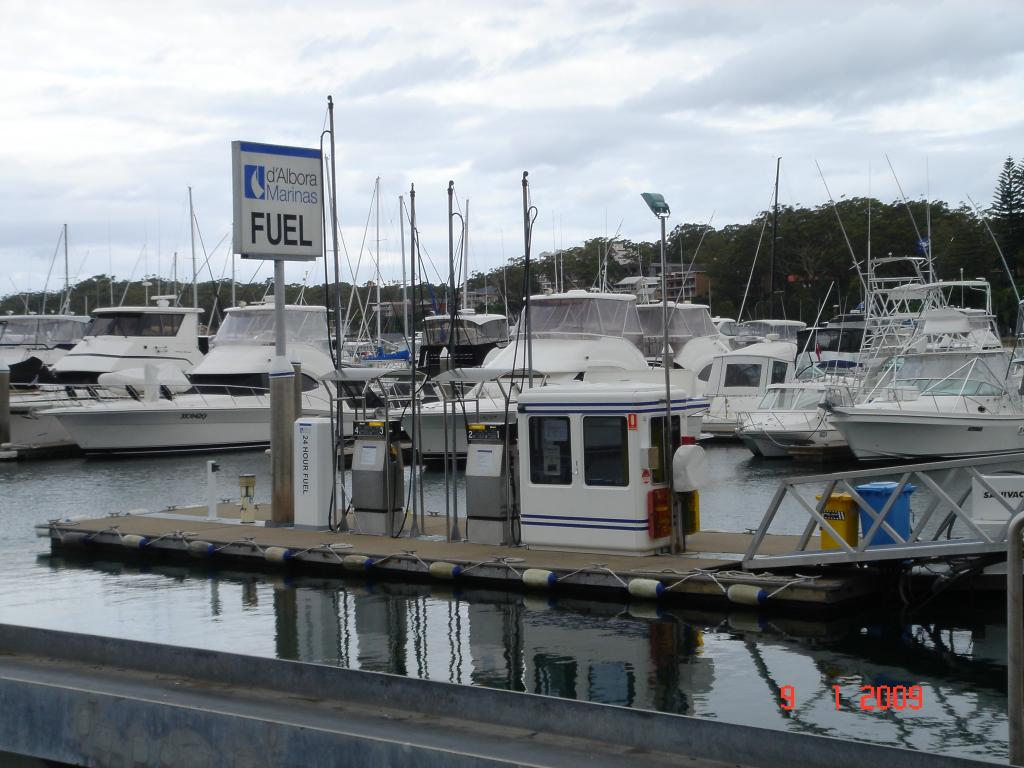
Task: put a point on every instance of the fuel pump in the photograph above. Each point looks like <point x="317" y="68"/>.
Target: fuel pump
<point x="489" y="503"/>
<point x="378" y="483"/>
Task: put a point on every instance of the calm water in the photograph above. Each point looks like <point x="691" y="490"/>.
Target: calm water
<point x="725" y="665"/>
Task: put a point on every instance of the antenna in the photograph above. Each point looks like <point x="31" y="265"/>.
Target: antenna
<point x="910" y="213"/>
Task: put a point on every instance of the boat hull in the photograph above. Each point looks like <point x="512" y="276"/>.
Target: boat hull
<point x="887" y="434"/>
<point x="172" y="429"/>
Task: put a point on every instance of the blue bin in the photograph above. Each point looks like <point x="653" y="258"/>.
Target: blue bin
<point x="876" y="495"/>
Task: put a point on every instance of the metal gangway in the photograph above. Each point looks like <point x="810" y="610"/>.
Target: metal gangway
<point x="946" y="528"/>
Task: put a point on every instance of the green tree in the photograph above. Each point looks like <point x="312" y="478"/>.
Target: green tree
<point x="1008" y="212"/>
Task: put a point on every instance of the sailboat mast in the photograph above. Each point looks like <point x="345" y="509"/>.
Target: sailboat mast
<point x="405" y="295"/>
<point x="928" y="220"/>
<point x="65" y="305"/>
<point x="526" y="275"/>
<point x="377" y="205"/>
<point x="339" y="338"/>
<point x="775" y="231"/>
<point x="192" y="234"/>
<point x="465" y="258"/>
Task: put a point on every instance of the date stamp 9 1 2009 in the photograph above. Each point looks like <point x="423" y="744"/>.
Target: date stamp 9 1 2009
<point x="872" y="698"/>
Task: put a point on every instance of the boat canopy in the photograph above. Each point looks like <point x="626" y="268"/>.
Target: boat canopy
<point x="41" y="330"/>
<point x="471" y="329"/>
<point x="782" y="329"/>
<point x="578" y="313"/>
<point x="685" y="321"/>
<point x="255" y="325"/>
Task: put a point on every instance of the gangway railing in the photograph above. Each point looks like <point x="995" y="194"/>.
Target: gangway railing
<point x="933" y="534"/>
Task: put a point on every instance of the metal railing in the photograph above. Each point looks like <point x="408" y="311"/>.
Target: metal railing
<point x="949" y="484"/>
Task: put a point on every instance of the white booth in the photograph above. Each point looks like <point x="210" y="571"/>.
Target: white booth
<point x="590" y="467"/>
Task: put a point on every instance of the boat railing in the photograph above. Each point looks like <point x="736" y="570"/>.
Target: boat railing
<point x="803" y="419"/>
<point x="945" y="528"/>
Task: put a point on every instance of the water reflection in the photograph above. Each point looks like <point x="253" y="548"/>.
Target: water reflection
<point x="715" y="664"/>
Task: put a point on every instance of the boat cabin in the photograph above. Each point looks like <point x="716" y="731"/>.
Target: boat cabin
<point x="28" y="343"/>
<point x="749" y="371"/>
<point x="131" y="337"/>
<point x="833" y="348"/>
<point x="474" y="338"/>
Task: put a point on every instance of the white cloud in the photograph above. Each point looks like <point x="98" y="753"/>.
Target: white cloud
<point x="113" y="108"/>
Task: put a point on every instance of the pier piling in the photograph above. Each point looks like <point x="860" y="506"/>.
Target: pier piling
<point x="5" y="403"/>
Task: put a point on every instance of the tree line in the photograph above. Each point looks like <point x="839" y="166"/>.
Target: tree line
<point x="817" y="251"/>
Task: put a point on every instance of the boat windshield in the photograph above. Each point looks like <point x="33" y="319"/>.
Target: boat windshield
<point x="256" y="326"/>
<point x="135" y="324"/>
<point x="586" y="316"/>
<point x="41" y="331"/>
<point x="947" y="373"/>
<point x="786" y="331"/>
<point x="791" y="399"/>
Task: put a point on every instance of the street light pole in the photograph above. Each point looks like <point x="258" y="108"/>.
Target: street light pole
<point x="660" y="209"/>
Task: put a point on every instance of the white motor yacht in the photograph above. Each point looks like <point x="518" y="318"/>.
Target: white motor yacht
<point x="574" y="333"/>
<point x="29" y="344"/>
<point x="118" y="340"/>
<point x="736" y="381"/>
<point x="228" y="404"/>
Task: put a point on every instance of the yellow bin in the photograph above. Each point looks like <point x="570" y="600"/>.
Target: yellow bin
<point x="842" y="514"/>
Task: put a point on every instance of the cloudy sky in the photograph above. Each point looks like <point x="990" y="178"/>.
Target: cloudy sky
<point x="112" y="109"/>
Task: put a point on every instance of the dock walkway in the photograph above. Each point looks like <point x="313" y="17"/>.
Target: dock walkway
<point x="709" y="568"/>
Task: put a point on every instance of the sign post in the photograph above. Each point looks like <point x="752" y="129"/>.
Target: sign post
<point x="278" y="215"/>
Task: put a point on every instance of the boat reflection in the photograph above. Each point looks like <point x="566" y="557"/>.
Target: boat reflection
<point x="732" y="666"/>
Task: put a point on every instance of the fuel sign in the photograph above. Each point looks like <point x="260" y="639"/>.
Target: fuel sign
<point x="278" y="197"/>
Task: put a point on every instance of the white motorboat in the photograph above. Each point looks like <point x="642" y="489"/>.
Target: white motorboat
<point x="943" y="387"/>
<point x="735" y="381"/>
<point x="943" y="404"/>
<point x="228" y="404"/>
<point x="574" y="334"/>
<point x="791" y="416"/>
<point x="117" y="340"/>
<point x="29" y="344"/>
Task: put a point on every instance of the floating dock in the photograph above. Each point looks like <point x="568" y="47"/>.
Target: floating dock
<point x="708" y="570"/>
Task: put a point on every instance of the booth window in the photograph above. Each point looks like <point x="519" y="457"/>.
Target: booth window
<point x="743" y="375"/>
<point x="550" y="451"/>
<point x="657" y="425"/>
<point x="605" y="451"/>
<point x="779" y="372"/>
